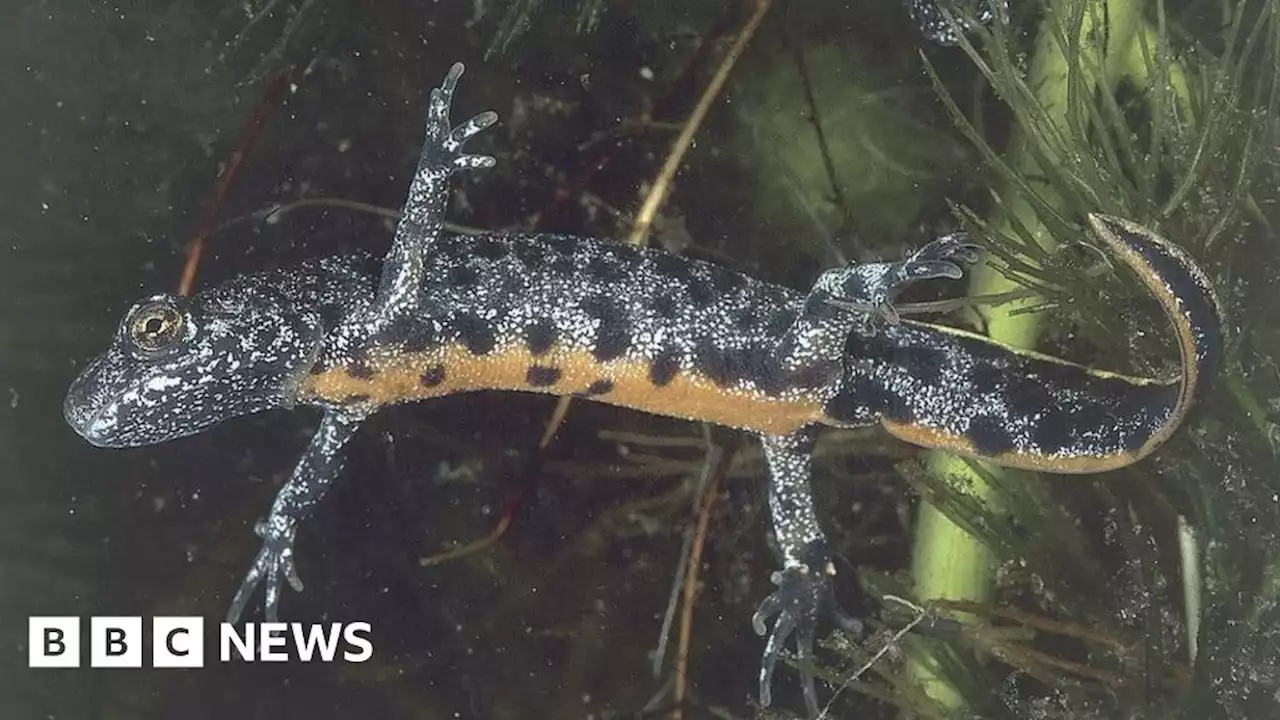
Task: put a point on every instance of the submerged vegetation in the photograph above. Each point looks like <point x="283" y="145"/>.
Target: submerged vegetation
<point x="1145" y="590"/>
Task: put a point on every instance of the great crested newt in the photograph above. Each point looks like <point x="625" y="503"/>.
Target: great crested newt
<point x="640" y="328"/>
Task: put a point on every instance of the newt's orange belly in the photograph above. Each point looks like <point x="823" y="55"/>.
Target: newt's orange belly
<point x="403" y="377"/>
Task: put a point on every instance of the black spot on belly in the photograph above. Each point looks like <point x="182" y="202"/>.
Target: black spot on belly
<point x="1132" y="439"/>
<point x="701" y="294"/>
<point x="599" y="387"/>
<point x="863" y="400"/>
<point x="882" y="401"/>
<point x="514" y="285"/>
<point x="1052" y="432"/>
<point x="767" y="375"/>
<point x="475" y="332"/>
<point x="816" y="374"/>
<point x="432" y="376"/>
<point x="542" y="376"/>
<point x="713" y="362"/>
<point x="320" y="367"/>
<point x="923" y="363"/>
<point x="665" y="306"/>
<point x="990" y="435"/>
<point x="489" y="248"/>
<point x="541" y="335"/>
<point x="606" y="269"/>
<point x="359" y="370"/>
<point x="987" y="380"/>
<point x="1027" y="396"/>
<point x="613" y="335"/>
<point x="531" y="254"/>
<point x="780" y="322"/>
<point x="846" y="408"/>
<point x="1093" y="417"/>
<point x="564" y="266"/>
<point x="664" y="367"/>
<point x="354" y="398"/>
<point x="755" y="364"/>
<point x="463" y="276"/>
<point x="786" y="346"/>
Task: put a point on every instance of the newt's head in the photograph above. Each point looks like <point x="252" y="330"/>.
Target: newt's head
<point x="179" y="365"/>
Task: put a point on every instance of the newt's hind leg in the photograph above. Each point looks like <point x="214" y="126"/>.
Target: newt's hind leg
<point x="871" y="288"/>
<point x="422" y="218"/>
<point x="804" y="594"/>
<point x="858" y="299"/>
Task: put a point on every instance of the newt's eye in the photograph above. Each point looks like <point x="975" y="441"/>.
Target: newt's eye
<point x="155" y="327"/>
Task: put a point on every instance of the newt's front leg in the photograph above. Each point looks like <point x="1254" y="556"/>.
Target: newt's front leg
<point x="804" y="595"/>
<point x="319" y="467"/>
<point x="423" y="215"/>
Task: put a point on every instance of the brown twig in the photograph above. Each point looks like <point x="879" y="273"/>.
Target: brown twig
<point x="270" y="98"/>
<point x="662" y="184"/>
<point x="475" y="546"/>
<point x="705" y="506"/>
<point x="512" y="507"/>
<point x="569" y="191"/>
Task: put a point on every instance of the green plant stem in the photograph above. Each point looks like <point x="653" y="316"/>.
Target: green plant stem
<point x="948" y="563"/>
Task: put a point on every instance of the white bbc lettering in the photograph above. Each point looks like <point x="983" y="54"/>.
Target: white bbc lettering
<point x="281" y="642"/>
<point x="229" y="638"/>
<point x="53" y="641"/>
<point x="272" y="642"/>
<point x="316" y="638"/>
<point x="354" y="634"/>
<point x="177" y="642"/>
<point x="115" y="642"/>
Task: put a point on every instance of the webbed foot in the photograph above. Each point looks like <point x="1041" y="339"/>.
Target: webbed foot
<point x="871" y="289"/>
<point x="422" y="218"/>
<point x="953" y="249"/>
<point x="803" y="598"/>
<point x="273" y="565"/>
<point x="442" y="147"/>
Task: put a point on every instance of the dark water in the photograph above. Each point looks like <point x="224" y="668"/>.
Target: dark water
<point x="116" y="120"/>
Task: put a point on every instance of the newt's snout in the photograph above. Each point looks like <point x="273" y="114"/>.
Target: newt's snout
<point x="88" y="411"/>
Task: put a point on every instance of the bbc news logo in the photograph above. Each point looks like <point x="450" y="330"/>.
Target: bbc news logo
<point x="179" y="642"/>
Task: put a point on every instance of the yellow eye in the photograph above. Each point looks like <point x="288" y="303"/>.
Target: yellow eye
<point x="156" y="327"/>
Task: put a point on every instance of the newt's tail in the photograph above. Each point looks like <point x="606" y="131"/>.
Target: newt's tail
<point x="953" y="390"/>
<point x="1185" y="294"/>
